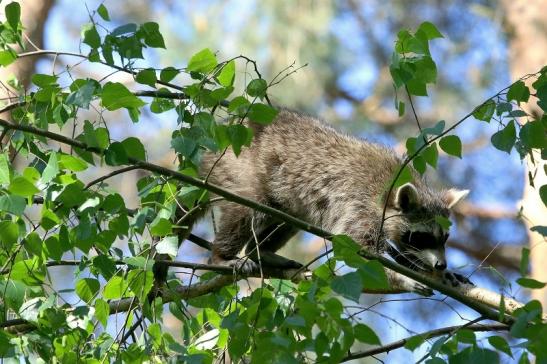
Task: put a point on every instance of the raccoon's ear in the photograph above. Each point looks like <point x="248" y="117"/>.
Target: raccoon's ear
<point x="453" y="196"/>
<point x="406" y="197"/>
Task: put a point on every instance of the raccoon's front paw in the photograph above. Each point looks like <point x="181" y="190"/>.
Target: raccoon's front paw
<point x="455" y="279"/>
<point x="243" y="266"/>
<point x="240" y="265"/>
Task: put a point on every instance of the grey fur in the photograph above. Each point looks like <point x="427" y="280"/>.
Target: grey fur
<point x="307" y="169"/>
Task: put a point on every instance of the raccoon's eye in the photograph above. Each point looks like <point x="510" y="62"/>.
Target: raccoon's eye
<point x="422" y="240"/>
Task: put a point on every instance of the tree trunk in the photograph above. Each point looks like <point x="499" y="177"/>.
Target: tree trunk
<point x="527" y="36"/>
<point x="33" y="16"/>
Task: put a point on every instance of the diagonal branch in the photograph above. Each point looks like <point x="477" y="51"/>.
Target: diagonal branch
<point x="432" y="282"/>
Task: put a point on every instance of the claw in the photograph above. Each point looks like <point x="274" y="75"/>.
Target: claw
<point x="455" y="279"/>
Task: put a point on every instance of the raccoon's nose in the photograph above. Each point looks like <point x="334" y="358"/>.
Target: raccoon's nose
<point x="440" y="265"/>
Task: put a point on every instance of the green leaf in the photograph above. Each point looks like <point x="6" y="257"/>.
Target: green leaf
<point x="262" y="114"/>
<point x="239" y="135"/>
<point x="518" y="92"/>
<point x="43" y="81"/>
<point x="443" y="222"/>
<point x="452" y="145"/>
<point x="401" y="108"/>
<point x="13" y="14"/>
<point x="30" y="310"/>
<point x="239" y="104"/>
<point x="257" y="88"/>
<point x="48" y="220"/>
<point x="7" y="57"/>
<point x="82" y="96"/>
<point x="4" y="169"/>
<point x="349" y="285"/>
<point x="365" y="334"/>
<point x="295" y="321"/>
<point x="72" y="195"/>
<point x="530" y="283"/>
<point x="168" y="73"/>
<point x="505" y="138"/>
<point x="103" y="12"/>
<point x="90" y="36"/>
<point x="102" y="311"/>
<point x="22" y="186"/>
<point x="115" y="288"/>
<point x="543" y="194"/>
<point x="124" y="29"/>
<point x="500" y="344"/>
<point x="134" y="148"/>
<point x="115" y="154"/>
<point x="220" y="94"/>
<point x="540" y="230"/>
<point x="28" y="271"/>
<point x="344" y="245"/>
<point x="541" y="94"/>
<point x="416" y="87"/>
<point x="9" y="232"/>
<point x="485" y="111"/>
<point x="87" y="289"/>
<point x="95" y="137"/>
<point x="72" y="163"/>
<point x="204" y="61"/>
<point x="13" y="204"/>
<point x="147" y="77"/>
<point x="431" y="155"/>
<point x="502" y="307"/>
<point x="51" y="169"/>
<point x="524" y="261"/>
<point x="168" y="245"/>
<point x="437" y="129"/>
<point x="184" y="146"/>
<point x="160" y="227"/>
<point x="140" y="282"/>
<point x="426" y="70"/>
<point x="104" y="265"/>
<point x="373" y="275"/>
<point x="404" y="177"/>
<point x="503" y="107"/>
<point x="119" y="225"/>
<point x="533" y="134"/>
<point x="429" y="30"/>
<point x="466" y="336"/>
<point x="115" y="96"/>
<point x="227" y="74"/>
<point x="413" y="342"/>
<point x="152" y="35"/>
<point x="419" y="164"/>
<point x="14" y="294"/>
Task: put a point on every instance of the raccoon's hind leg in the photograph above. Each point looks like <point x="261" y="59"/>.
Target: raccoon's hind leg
<point x="262" y="249"/>
<point x="233" y="232"/>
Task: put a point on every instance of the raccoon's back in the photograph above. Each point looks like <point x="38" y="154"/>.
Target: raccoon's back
<point x="300" y="164"/>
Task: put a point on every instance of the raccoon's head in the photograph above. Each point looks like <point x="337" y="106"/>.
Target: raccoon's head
<point x="414" y="227"/>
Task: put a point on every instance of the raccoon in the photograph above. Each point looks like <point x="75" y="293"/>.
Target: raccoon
<point x="305" y="168"/>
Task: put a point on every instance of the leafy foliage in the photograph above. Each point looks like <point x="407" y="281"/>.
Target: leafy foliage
<point x="113" y="247"/>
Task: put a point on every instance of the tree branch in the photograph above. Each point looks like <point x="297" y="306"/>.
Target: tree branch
<point x="429" y="281"/>
<point x="425" y="335"/>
